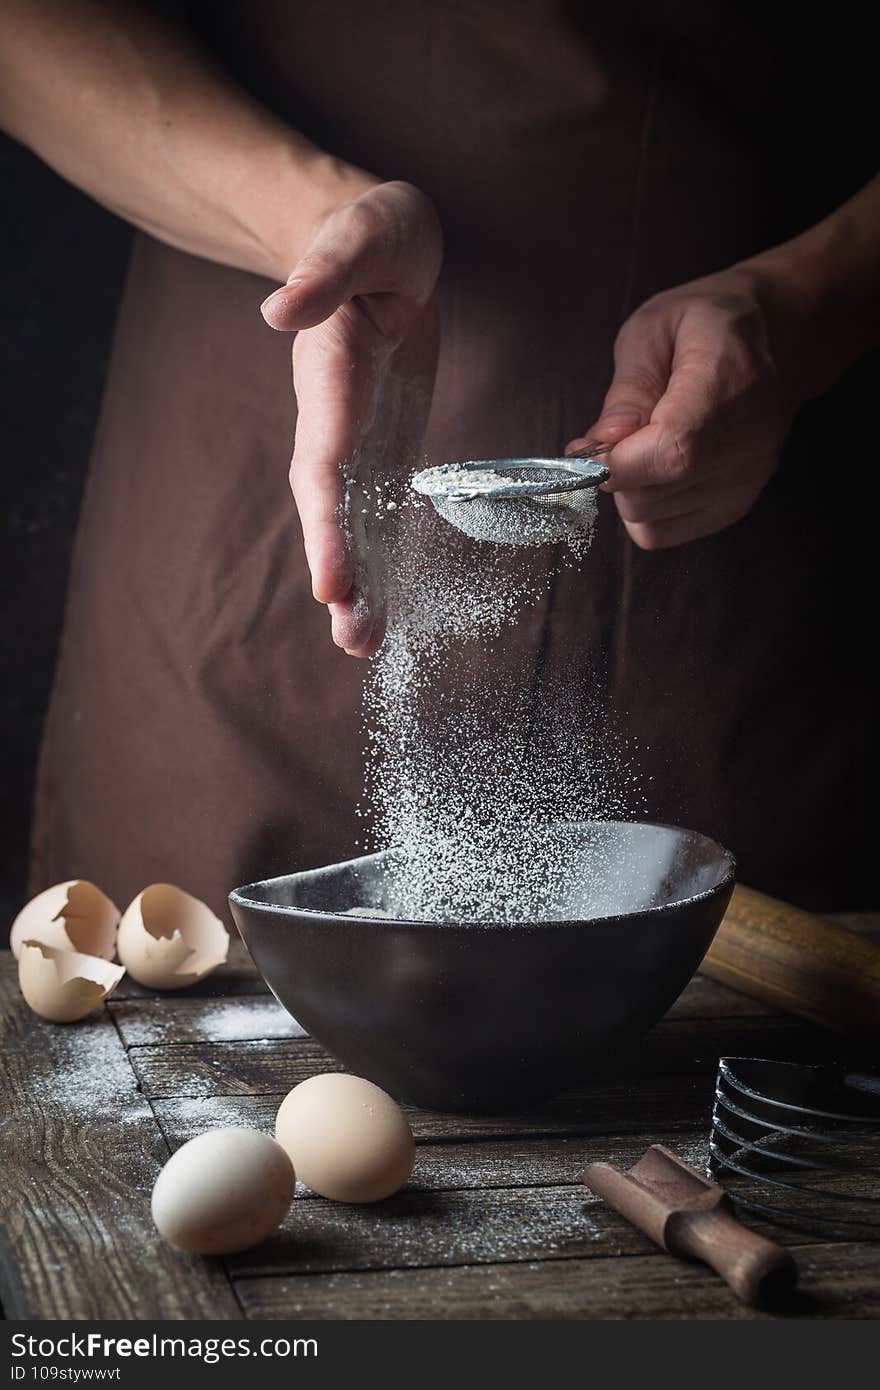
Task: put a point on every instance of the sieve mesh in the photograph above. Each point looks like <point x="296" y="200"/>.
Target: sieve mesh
<point x="525" y="520"/>
<point x="533" y="502"/>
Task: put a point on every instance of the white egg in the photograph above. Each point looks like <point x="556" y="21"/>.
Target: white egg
<point x="168" y="939"/>
<point x="224" y="1191"/>
<point x="74" y="916"/>
<point x="63" y="986"/>
<point x="347" y="1139"/>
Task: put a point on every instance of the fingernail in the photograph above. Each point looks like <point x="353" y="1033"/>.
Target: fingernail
<point x="270" y="300"/>
<point x="279" y="295"/>
<point x="621" y="417"/>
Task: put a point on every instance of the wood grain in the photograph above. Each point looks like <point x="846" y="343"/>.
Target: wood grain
<point x="437" y="1227"/>
<point x="705" y="998"/>
<point x="81" y="1151"/>
<point x="503" y="1161"/>
<point x="669" y="1105"/>
<point x="686" y="1047"/>
<point x="421" y="1228"/>
<point x="798" y="962"/>
<point x="837" y="1281"/>
<point x="493" y="1222"/>
<point x="173" y="1020"/>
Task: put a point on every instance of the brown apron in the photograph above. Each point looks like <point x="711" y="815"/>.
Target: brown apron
<point x="202" y="728"/>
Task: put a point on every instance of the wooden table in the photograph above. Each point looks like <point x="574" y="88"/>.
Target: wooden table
<point x="492" y="1225"/>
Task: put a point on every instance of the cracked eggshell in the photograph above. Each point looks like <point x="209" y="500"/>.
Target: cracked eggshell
<point x="72" y="916"/>
<point x="63" y="985"/>
<point x="168" y="939"/>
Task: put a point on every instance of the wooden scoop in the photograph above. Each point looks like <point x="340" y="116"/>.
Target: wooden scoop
<point x="691" y="1217"/>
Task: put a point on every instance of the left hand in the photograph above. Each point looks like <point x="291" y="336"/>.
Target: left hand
<point x="361" y="302"/>
<point x="697" y="411"/>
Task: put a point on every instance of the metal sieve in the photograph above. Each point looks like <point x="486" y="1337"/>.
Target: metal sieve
<point x="522" y="501"/>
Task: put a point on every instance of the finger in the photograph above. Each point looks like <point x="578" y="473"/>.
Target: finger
<point x="691" y="526"/>
<point x="649" y="504"/>
<point x="666" y="451"/>
<point x="732" y="479"/>
<point x="335" y="408"/>
<point x="319" y="492"/>
<point x="342" y="260"/>
<point x="320" y="286"/>
<point x="354" y="627"/>
<point x="355" y="252"/>
<point x="642" y="362"/>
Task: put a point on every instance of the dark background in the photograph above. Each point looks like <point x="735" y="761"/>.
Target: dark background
<point x="63" y="262"/>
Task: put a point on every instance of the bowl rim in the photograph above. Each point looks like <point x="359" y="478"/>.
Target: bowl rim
<point x="238" y="898"/>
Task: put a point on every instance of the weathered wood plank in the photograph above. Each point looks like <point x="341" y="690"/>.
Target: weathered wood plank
<point x="634" y="1104"/>
<point x="237" y="975"/>
<point x="173" y="1019"/>
<point x="837" y="1281"/>
<point x="705" y="998"/>
<point x="672" y="1108"/>
<point x="414" y="1229"/>
<point x="241" y="1068"/>
<point x="500" y="1162"/>
<point x="451" y="1226"/>
<point x="80" y="1152"/>
<point x="177" y="1019"/>
<point x="687" y="1047"/>
<point x="545" y="1160"/>
<point x="488" y="1193"/>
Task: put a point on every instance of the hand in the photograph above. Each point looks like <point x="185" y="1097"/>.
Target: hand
<point x="698" y="409"/>
<point x="363" y="368"/>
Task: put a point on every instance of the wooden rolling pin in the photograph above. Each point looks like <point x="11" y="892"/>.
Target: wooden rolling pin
<point x="797" y="962"/>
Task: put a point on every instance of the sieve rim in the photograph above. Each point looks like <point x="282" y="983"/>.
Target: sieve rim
<point x="437" y="482"/>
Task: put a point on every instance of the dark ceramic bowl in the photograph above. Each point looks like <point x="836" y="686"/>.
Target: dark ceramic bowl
<point x="486" y="1016"/>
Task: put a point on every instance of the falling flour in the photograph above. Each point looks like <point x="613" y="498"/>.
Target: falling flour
<point x="474" y="749"/>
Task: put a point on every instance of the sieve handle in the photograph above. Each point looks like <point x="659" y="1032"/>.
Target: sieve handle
<point x="797" y="962"/>
<point x="591" y="450"/>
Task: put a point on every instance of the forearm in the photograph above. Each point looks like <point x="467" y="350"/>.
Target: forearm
<point x="130" y="110"/>
<point x="826" y="282"/>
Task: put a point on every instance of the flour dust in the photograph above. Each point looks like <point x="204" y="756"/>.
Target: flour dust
<point x="475" y="746"/>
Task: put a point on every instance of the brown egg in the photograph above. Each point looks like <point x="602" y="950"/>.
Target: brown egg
<point x="63" y="986"/>
<point x="347" y="1139"/>
<point x="168" y="939"/>
<point x="73" y="916"/>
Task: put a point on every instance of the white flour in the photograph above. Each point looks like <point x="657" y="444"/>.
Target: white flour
<point x="472" y="753"/>
<point x="465" y="495"/>
<point x="521" y="521"/>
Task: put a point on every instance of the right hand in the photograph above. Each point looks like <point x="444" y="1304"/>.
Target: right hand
<point x="360" y="300"/>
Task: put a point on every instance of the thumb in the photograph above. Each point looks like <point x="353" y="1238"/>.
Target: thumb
<point x="344" y="259"/>
<point x="359" y="250"/>
<point x="642" y="364"/>
<point x="319" y="284"/>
